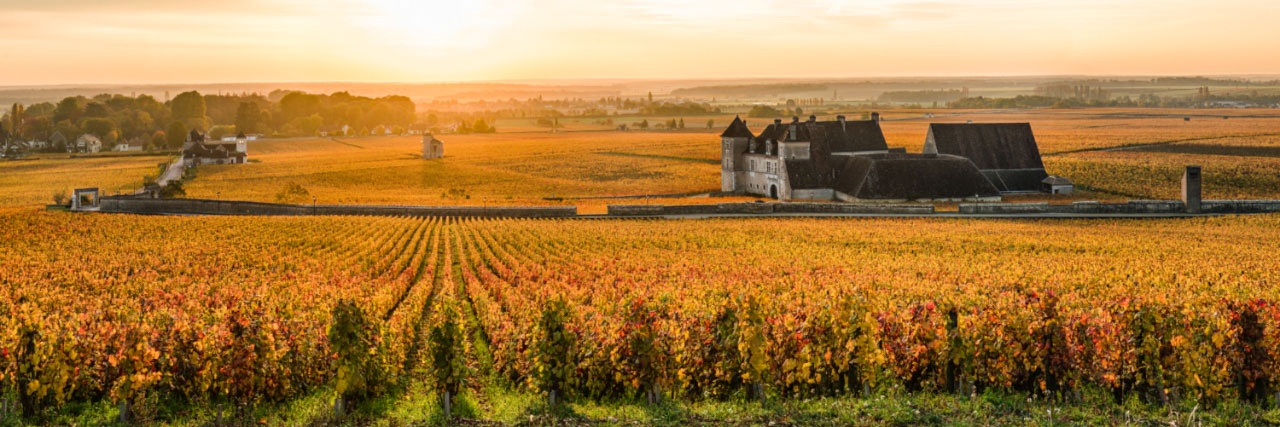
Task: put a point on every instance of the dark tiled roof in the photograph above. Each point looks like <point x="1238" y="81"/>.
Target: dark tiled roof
<point x="802" y="174"/>
<point x="896" y="176"/>
<point x="1015" y="180"/>
<point x="850" y="136"/>
<point x="853" y="136"/>
<point x="737" y="129"/>
<point x="212" y="151"/>
<point x="989" y="145"/>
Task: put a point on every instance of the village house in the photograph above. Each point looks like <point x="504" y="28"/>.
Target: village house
<point x="432" y="148"/>
<point x="845" y="160"/>
<point x="198" y="150"/>
<point x="57" y="140"/>
<point x="86" y="143"/>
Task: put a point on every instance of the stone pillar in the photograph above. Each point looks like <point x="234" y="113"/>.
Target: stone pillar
<point x="1191" y="189"/>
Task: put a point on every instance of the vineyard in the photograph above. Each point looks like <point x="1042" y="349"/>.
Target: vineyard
<point x="255" y="311"/>
<point x="1112" y="155"/>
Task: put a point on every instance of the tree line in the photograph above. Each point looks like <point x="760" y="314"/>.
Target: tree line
<point x="144" y="120"/>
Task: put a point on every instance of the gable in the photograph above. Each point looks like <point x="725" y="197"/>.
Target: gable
<point x="988" y="145"/>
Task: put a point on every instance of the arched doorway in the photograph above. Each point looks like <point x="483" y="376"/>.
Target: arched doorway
<point x="773" y="191"/>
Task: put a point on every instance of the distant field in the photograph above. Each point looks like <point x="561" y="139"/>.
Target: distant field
<point x="587" y="165"/>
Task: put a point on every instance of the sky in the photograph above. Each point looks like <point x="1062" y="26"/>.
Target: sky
<point x="51" y="42"/>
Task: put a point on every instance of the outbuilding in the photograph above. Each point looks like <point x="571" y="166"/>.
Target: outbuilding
<point x="1057" y="185"/>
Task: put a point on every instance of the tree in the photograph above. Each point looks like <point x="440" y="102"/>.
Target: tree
<point x="95" y="109"/>
<point x="158" y="140"/>
<point x="68" y="108"/>
<point x="99" y="127"/>
<point x="482" y="127"/>
<point x="682" y="123"/>
<point x="644" y="124"/>
<point x="297" y="105"/>
<point x="176" y="134"/>
<point x="16" y="119"/>
<point x="189" y="107"/>
<point x="711" y="123"/>
<point x="249" y="118"/>
<point x="218" y="132"/>
<point x="763" y="112"/>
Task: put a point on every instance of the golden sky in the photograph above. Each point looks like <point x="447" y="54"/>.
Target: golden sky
<point x="174" y="41"/>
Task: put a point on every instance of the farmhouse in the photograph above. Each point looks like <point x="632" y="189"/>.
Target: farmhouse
<point x="1006" y="153"/>
<point x="432" y="148"/>
<point x="198" y="150"/>
<point x="86" y="143"/>
<point x="841" y="160"/>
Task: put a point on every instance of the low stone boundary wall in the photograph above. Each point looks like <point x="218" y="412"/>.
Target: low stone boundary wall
<point x="1135" y="207"/>
<point x="219" y="207"/>
<point x="768" y="208"/>
<point x="1131" y="207"/>
<point x="124" y="204"/>
<point x="1240" y="206"/>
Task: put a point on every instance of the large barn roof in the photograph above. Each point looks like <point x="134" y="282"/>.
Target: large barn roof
<point x="988" y="145"/>
<point x="901" y="176"/>
<point x="1016" y="180"/>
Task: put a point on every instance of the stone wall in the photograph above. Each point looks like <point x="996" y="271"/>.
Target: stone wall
<point x="769" y="208"/>
<point x="1240" y="206"/>
<point x="1131" y="207"/>
<point x="218" y="207"/>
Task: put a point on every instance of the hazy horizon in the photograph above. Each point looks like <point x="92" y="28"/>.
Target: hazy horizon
<point x="172" y="42"/>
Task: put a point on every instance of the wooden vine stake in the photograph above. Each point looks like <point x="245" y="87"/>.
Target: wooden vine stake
<point x="448" y="406"/>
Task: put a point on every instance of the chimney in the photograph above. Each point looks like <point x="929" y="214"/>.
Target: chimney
<point x="841" y="119"/>
<point x="875" y="117"/>
<point x="777" y="122"/>
<point x="795" y="128"/>
<point x="813" y="118"/>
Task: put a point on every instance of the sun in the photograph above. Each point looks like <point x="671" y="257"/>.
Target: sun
<point x="429" y="24"/>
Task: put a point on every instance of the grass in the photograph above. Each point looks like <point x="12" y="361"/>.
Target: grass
<point x="492" y="404"/>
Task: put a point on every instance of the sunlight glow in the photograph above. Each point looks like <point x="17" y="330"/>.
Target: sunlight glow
<point x="432" y="25"/>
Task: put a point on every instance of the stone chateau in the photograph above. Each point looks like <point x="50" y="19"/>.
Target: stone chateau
<point x="849" y="160"/>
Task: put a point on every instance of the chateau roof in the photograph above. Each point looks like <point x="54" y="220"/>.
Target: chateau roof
<point x="988" y="145"/>
<point x="1016" y="180"/>
<point x="849" y="136"/>
<point x="737" y="129"/>
<point x="853" y="136"/>
<point x="804" y="174"/>
<point x="1005" y="152"/>
<point x="901" y="176"/>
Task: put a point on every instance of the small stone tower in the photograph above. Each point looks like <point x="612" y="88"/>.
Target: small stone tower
<point x="733" y="144"/>
<point x="1191" y="189"/>
<point x="432" y="148"/>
